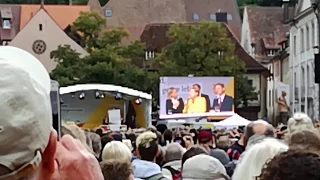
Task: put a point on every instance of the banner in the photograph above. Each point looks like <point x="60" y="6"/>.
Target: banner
<point x="182" y="96"/>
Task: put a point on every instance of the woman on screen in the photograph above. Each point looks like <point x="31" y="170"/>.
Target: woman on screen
<point x="195" y="103"/>
<point x="174" y="104"/>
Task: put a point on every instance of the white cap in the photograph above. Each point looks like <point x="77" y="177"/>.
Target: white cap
<point x="25" y="118"/>
<point x="210" y="168"/>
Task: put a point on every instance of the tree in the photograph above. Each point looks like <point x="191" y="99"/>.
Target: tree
<point x="203" y="50"/>
<point x="107" y="62"/>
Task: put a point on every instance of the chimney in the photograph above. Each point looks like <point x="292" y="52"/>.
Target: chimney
<point x="42" y="4"/>
<point x="285" y="10"/>
<point x="222" y="17"/>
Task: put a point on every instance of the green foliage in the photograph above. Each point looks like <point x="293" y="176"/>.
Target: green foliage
<point x="203" y="50"/>
<point x="107" y="62"/>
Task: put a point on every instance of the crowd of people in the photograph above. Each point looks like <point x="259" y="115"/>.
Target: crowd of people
<point x="31" y="149"/>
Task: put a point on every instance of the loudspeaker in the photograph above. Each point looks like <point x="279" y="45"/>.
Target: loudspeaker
<point x="317" y="68"/>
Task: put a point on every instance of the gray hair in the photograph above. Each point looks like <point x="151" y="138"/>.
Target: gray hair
<point x="299" y="121"/>
<point x="94" y="141"/>
<point x="174" y="152"/>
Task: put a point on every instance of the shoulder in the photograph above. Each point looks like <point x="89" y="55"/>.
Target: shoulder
<point x="204" y="95"/>
<point x="228" y="97"/>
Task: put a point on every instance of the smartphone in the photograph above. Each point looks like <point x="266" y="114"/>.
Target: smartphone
<point x="55" y="105"/>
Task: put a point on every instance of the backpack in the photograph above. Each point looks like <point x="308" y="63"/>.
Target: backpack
<point x="176" y="175"/>
<point x="156" y="177"/>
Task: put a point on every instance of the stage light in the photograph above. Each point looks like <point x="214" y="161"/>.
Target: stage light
<point x="138" y="101"/>
<point x="82" y="96"/>
<point x="99" y="95"/>
<point x="118" y="96"/>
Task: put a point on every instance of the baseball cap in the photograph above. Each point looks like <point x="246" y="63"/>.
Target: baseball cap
<point x="25" y="121"/>
<point x="204" y="135"/>
<point x="211" y="168"/>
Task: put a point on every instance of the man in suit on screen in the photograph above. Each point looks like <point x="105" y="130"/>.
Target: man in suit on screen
<point x="198" y="88"/>
<point x="222" y="101"/>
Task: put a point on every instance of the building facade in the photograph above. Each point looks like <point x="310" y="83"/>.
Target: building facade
<point x="42" y="35"/>
<point x="303" y="38"/>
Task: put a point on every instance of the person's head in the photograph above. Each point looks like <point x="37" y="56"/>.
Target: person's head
<point x="99" y="132"/>
<point x="223" y="143"/>
<point x="95" y="142"/>
<point x="192" y="151"/>
<point x="299" y="121"/>
<point x="258" y="127"/>
<point x="255" y="158"/>
<point x="172" y="93"/>
<point x="205" y="137"/>
<point x="218" y="89"/>
<point x="77" y="133"/>
<point x="197" y="87"/>
<point x="116" y="150"/>
<point x="193" y="93"/>
<point x="114" y="169"/>
<point x="168" y="135"/>
<point x="147" y="146"/>
<point x="203" y="167"/>
<point x="174" y="152"/>
<point x="283" y="93"/>
<point x="304" y="140"/>
<point x="292" y="165"/>
<point x="105" y="139"/>
<point x="28" y="143"/>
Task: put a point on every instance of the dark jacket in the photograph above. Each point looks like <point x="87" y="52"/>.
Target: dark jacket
<point x="227" y="103"/>
<point x="207" y="101"/>
<point x="169" y="106"/>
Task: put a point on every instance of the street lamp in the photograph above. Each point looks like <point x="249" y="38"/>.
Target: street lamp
<point x="316" y="9"/>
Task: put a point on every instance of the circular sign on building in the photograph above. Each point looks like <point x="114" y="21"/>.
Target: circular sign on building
<point x="39" y="47"/>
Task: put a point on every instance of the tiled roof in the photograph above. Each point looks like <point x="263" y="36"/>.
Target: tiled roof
<point x="142" y="12"/>
<point x="206" y="7"/>
<point x="9" y="34"/>
<point x="63" y="15"/>
<point x="266" y="27"/>
<point x="154" y="36"/>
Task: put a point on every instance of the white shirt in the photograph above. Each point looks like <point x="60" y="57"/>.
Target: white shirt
<point x="221" y="98"/>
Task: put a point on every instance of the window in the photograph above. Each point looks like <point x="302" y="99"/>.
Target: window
<point x="40" y="27"/>
<point x="196" y="16"/>
<point x="302" y="39"/>
<point x="108" y="13"/>
<point x="308" y="38"/>
<point x="250" y="82"/>
<point x="5" y="43"/>
<point x="213" y="17"/>
<point x="149" y="55"/>
<point x="6" y="24"/>
<point x="269" y="98"/>
<point x="295" y="45"/>
<point x="229" y="17"/>
<point x="313" y="34"/>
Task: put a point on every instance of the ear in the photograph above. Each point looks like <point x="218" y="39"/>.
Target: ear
<point x="49" y="153"/>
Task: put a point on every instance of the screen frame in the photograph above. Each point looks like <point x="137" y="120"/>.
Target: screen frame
<point x="55" y="89"/>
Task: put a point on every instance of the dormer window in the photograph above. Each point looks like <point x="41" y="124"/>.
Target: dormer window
<point x="6" y="24"/>
<point x="271" y="52"/>
<point x="149" y="54"/>
<point x="108" y="13"/>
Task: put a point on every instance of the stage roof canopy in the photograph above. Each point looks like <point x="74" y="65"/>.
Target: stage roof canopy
<point x="106" y="88"/>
